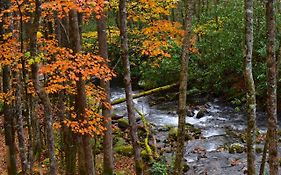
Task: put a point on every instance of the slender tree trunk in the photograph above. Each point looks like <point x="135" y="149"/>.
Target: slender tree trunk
<point x="271" y="88"/>
<point x="9" y="125"/>
<point x="81" y="99"/>
<point x="264" y="152"/>
<point x="250" y="88"/>
<point x="7" y="108"/>
<point x="19" y="126"/>
<point x="128" y="86"/>
<point x="182" y="91"/>
<point x="107" y="142"/>
<point x="69" y="145"/>
<point x="43" y="96"/>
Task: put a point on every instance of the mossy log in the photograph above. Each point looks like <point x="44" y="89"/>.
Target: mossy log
<point x="144" y="93"/>
<point x="146" y="140"/>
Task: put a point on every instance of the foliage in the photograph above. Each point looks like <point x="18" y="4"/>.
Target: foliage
<point x="126" y="150"/>
<point x="158" y="168"/>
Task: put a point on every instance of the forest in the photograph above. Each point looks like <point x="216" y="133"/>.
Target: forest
<point x="140" y="87"/>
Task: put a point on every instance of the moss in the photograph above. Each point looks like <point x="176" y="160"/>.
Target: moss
<point x="120" y="173"/>
<point x="145" y="155"/>
<point x="185" y="167"/>
<point x="119" y="141"/>
<point x="123" y="123"/>
<point x="259" y="150"/>
<point x="173" y="133"/>
<point x="126" y="150"/>
<point x="236" y="148"/>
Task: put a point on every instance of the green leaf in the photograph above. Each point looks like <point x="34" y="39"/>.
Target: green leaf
<point x="27" y="54"/>
<point x="31" y="61"/>
<point x="37" y="59"/>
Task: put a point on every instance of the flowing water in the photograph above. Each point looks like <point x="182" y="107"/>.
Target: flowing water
<point x="215" y="124"/>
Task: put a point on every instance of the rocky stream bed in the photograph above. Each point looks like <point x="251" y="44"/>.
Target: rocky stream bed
<point x="217" y="144"/>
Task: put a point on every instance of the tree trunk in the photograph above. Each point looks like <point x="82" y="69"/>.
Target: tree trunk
<point x="19" y="125"/>
<point x="128" y="86"/>
<point x="81" y="100"/>
<point x="40" y="91"/>
<point x="69" y="145"/>
<point x="108" y="165"/>
<point x="271" y="88"/>
<point x="182" y="91"/>
<point x="250" y="88"/>
<point x="9" y="125"/>
<point x="7" y="108"/>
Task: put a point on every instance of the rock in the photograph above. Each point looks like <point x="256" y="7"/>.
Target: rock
<point x="187" y="137"/>
<point x="196" y="133"/>
<point x="166" y="150"/>
<point x="116" y="117"/>
<point x="236" y="148"/>
<point x="123" y="124"/>
<point x="259" y="150"/>
<point x="201" y="113"/>
<point x="189" y="113"/>
<point x="120" y="173"/>
<point x="138" y="120"/>
<point x="119" y="141"/>
<point x="126" y="150"/>
<point x="188" y="126"/>
<point x="162" y="129"/>
<point x="173" y="133"/>
<point x="185" y="168"/>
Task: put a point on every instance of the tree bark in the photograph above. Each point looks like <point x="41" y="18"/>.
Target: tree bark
<point x="182" y="91"/>
<point x="19" y="126"/>
<point x="81" y="99"/>
<point x="250" y="88"/>
<point x="40" y="91"/>
<point x="7" y="108"/>
<point x="128" y="86"/>
<point x="271" y="88"/>
<point x="108" y="165"/>
<point x="9" y="125"/>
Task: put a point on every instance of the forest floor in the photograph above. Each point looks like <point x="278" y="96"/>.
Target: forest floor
<point x="3" y="164"/>
<point x="123" y="164"/>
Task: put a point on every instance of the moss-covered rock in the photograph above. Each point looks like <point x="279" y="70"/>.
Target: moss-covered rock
<point x="173" y="133"/>
<point x="259" y="150"/>
<point x="196" y="133"/>
<point x="185" y="167"/>
<point x="123" y="124"/>
<point x="120" y="173"/>
<point x="126" y="150"/>
<point x="236" y="148"/>
<point x="119" y="141"/>
<point x="202" y="112"/>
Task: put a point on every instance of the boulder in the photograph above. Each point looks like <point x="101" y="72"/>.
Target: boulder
<point x="123" y="124"/>
<point x="202" y="112"/>
<point x="236" y="148"/>
<point x="259" y="150"/>
<point x="125" y="150"/>
<point x="116" y="117"/>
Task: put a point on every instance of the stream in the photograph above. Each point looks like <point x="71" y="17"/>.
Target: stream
<point x="205" y="155"/>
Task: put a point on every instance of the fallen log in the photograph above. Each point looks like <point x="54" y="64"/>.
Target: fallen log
<point x="144" y="93"/>
<point x="148" y="149"/>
